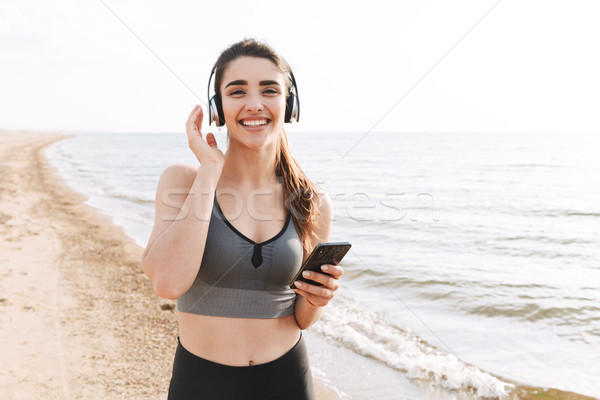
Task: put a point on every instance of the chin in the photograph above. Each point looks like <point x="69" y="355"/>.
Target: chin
<point x="254" y="144"/>
<point x="257" y="141"/>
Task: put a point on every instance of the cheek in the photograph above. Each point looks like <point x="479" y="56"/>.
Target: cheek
<point x="229" y="107"/>
<point x="230" y="110"/>
<point x="278" y="109"/>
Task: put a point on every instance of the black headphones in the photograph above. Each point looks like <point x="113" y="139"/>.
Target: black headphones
<point x="215" y="105"/>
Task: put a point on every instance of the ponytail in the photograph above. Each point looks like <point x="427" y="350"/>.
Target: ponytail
<point x="299" y="193"/>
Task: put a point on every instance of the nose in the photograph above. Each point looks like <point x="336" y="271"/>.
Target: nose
<point x="254" y="103"/>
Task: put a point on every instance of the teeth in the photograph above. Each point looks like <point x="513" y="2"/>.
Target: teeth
<point x="254" y="122"/>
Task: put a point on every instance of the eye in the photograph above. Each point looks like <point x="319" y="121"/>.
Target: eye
<point x="271" y="91"/>
<point x="236" y="92"/>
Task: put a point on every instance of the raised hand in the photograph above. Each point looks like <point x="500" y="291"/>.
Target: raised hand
<point x="206" y="151"/>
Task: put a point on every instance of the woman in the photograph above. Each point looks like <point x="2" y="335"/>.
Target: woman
<point x="231" y="233"/>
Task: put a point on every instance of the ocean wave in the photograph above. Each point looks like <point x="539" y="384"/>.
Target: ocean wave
<point x="546" y="239"/>
<point x="532" y="312"/>
<point x="133" y="199"/>
<point x="582" y="214"/>
<point x="563" y="213"/>
<point x="371" y="335"/>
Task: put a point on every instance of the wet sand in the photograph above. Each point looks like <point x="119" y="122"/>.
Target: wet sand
<point x="78" y="318"/>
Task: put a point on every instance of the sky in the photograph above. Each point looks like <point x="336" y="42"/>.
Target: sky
<point x="422" y="65"/>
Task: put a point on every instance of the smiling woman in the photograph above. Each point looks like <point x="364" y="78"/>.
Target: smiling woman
<point x="230" y="234"/>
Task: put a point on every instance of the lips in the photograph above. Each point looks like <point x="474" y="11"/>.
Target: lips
<point x="254" y="122"/>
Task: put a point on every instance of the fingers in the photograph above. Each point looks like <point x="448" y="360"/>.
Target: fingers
<point x="334" y="270"/>
<point x="210" y="139"/>
<point x="319" y="291"/>
<point x="193" y="124"/>
<point x="320" y="296"/>
<point x="328" y="282"/>
<point x="199" y="118"/>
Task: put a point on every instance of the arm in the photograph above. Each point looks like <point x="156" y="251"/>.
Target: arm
<point x="184" y="202"/>
<point x="312" y="299"/>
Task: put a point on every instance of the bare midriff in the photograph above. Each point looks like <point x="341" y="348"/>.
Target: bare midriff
<point x="237" y="341"/>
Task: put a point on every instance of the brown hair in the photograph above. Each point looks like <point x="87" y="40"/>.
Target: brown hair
<point x="299" y="192"/>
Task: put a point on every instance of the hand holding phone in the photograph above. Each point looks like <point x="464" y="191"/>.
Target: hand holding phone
<point x="323" y="253"/>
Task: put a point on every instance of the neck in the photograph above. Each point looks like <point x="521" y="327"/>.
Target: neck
<point x="250" y="168"/>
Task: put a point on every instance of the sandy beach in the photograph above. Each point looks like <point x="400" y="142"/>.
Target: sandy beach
<point x="78" y="318"/>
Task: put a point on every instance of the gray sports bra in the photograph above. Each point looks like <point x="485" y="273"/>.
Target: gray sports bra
<point x="242" y="279"/>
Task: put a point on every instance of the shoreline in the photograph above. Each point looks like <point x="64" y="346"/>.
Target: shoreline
<point x="78" y="317"/>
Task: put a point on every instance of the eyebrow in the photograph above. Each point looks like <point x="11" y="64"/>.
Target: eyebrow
<point x="243" y="82"/>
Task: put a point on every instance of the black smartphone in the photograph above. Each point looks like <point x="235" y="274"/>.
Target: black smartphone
<point x="323" y="253"/>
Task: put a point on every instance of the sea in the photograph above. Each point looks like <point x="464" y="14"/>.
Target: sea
<point x="475" y="263"/>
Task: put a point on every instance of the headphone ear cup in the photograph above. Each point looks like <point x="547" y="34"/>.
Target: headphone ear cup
<point x="212" y="111"/>
<point x="216" y="111"/>
<point x="292" y="108"/>
<point x="220" y="113"/>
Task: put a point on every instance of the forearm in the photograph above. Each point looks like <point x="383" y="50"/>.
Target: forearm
<point x="173" y="260"/>
<point x="306" y="314"/>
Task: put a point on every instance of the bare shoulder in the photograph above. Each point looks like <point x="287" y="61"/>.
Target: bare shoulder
<point x="173" y="188"/>
<point x="177" y="176"/>
<point x="325" y="204"/>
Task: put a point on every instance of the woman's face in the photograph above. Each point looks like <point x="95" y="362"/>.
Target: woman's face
<point x="253" y="95"/>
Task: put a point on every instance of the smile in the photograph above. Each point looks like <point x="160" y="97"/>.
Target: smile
<point x="255" y="122"/>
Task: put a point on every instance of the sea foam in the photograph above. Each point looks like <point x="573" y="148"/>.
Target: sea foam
<point x="371" y="335"/>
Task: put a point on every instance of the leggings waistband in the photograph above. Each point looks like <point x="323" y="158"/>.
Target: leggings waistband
<point x="199" y="362"/>
<point x="287" y="377"/>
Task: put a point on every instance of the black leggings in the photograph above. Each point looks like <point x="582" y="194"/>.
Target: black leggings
<point x="288" y="377"/>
